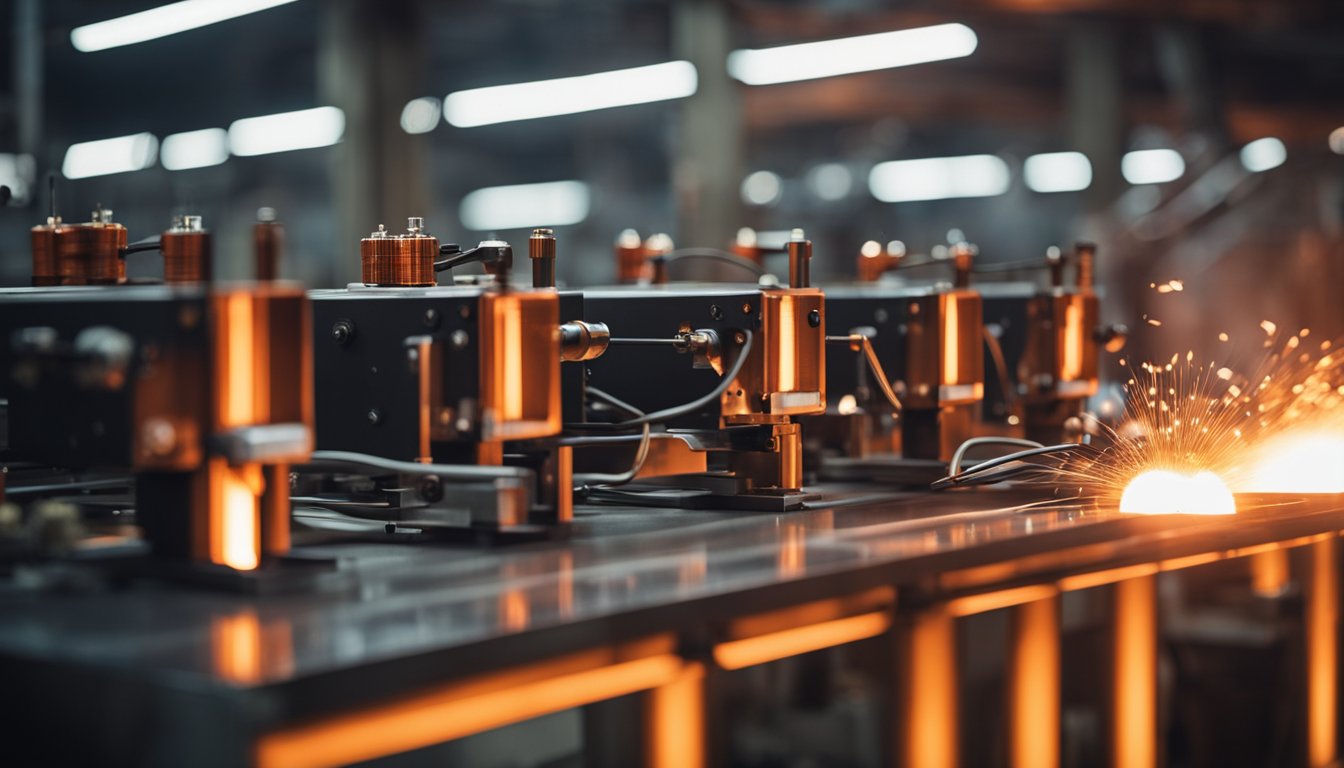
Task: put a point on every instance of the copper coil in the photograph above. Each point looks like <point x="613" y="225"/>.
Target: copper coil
<point x="400" y="260"/>
<point x="45" y="269"/>
<point x="268" y="239"/>
<point x="186" y="256"/>
<point x="90" y="254"/>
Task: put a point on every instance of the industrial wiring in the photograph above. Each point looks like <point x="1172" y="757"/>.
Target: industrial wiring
<point x="667" y="414"/>
<point x="585" y="480"/>
<point x="874" y="365"/>
<point x="711" y="254"/>
<point x="979" y="474"/>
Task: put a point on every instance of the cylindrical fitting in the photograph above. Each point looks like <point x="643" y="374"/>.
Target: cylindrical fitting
<point x="1086" y="255"/>
<point x="186" y="251"/>
<point x="404" y="260"/>
<point x="800" y="260"/>
<point x="85" y="254"/>
<point x="580" y="340"/>
<point x="875" y="261"/>
<point x="629" y="249"/>
<point x="268" y="242"/>
<point x="46" y="266"/>
<point x="963" y="261"/>
<point x="541" y="249"/>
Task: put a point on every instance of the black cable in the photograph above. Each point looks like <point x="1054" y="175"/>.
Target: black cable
<point x="76" y="485"/>
<point x="148" y="244"/>
<point x="711" y="254"/>
<point x="585" y="481"/>
<point x="667" y="414"/>
<point x="962" y="478"/>
<point x="1009" y="266"/>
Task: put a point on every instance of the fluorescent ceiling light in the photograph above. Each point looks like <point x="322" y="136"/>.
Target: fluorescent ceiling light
<point x="761" y="188"/>
<point x="1057" y="172"/>
<point x="105" y="156"/>
<point x="194" y="149"/>
<point x="305" y="129"/>
<point x="552" y="203"/>
<point x="163" y="21"/>
<point x="421" y="115"/>
<point x="939" y="178"/>
<point x="1152" y="166"/>
<point x="1263" y="154"/>
<point x="865" y="53"/>
<point x="568" y="95"/>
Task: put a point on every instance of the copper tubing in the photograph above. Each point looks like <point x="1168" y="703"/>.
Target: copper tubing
<point x="1086" y="253"/>
<point x="800" y="258"/>
<point x="186" y="256"/>
<point x="405" y="260"/>
<point x="268" y="240"/>
<point x="541" y="249"/>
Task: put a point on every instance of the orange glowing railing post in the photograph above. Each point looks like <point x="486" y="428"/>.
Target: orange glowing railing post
<point x="1322" y="639"/>
<point x="927" y="681"/>
<point x="1269" y="572"/>
<point x="1134" y="708"/>
<point x="675" y="721"/>
<point x="1033" y="674"/>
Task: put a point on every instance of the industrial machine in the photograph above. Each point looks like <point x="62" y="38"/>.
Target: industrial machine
<point x="903" y="398"/>
<point x="726" y="370"/>
<point x="456" y="388"/>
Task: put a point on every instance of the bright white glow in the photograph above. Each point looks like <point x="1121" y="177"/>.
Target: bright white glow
<point x="305" y="129"/>
<point x="119" y="155"/>
<point x="1337" y="141"/>
<point x="163" y="21"/>
<point x="194" y="149"/>
<point x="865" y="53"/>
<point x="1057" y="172"/>
<point x="421" y="115"/>
<point x="552" y="203"/>
<point x="1152" y="166"/>
<point x="17" y="172"/>
<point x="830" y="181"/>
<point x="761" y="188"/>
<point x="1299" y="463"/>
<point x="568" y="95"/>
<point x="939" y="178"/>
<point x="1263" y="154"/>
<point x="1162" y="492"/>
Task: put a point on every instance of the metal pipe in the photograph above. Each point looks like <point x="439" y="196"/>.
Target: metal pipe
<point x="541" y="249"/>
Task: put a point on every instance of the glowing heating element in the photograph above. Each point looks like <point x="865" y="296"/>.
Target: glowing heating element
<point x="236" y="512"/>
<point x="1071" y="365"/>
<point x="951" y="352"/>
<point x="787" y="370"/>
<point x="1163" y="492"/>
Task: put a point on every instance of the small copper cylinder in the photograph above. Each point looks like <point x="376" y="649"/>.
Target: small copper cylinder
<point x="186" y="252"/>
<point x="90" y="254"/>
<point x="399" y="260"/>
<point x="800" y="263"/>
<point x="629" y="251"/>
<point x="871" y="268"/>
<point x="541" y="249"/>
<point x="268" y="240"/>
<point x="963" y="260"/>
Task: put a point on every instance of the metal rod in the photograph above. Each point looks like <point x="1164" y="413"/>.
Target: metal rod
<point x="1134" y="709"/>
<point x="1034" y="679"/>
<point x="639" y="342"/>
<point x="1322" y="638"/>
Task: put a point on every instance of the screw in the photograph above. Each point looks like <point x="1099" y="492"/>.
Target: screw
<point x="374" y="416"/>
<point x="814" y="318"/>
<point x="343" y="331"/>
<point x="746" y="309"/>
<point x="716" y="312"/>
<point x="431" y="318"/>
<point x="740" y="337"/>
<point x="431" y="489"/>
<point x="459" y="339"/>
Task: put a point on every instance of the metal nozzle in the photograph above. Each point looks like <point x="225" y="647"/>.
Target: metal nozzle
<point x="963" y="261"/>
<point x="800" y="258"/>
<point x="580" y="340"/>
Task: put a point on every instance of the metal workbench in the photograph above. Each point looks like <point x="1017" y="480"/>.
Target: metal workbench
<point x="411" y="645"/>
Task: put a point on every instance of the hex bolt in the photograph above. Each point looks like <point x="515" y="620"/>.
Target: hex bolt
<point x="374" y="416"/>
<point x="716" y="312"/>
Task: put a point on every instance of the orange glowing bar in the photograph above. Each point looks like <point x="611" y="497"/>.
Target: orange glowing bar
<point x="676" y="721"/>
<point x="929" y="671"/>
<point x="1004" y="598"/>
<point x="748" y="652"/>
<point x="791" y="560"/>
<point x="1269" y="573"/>
<point x="1322" y="633"/>
<point x="1034" y="675"/>
<point x="457" y="710"/>
<point x="1134" y="732"/>
<point x="951" y="352"/>
<point x="787" y="346"/>
<point x="238" y="400"/>
<point x="1108" y="576"/>
<point x="1071" y="362"/>
<point x="235" y="513"/>
<point x="512" y="354"/>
